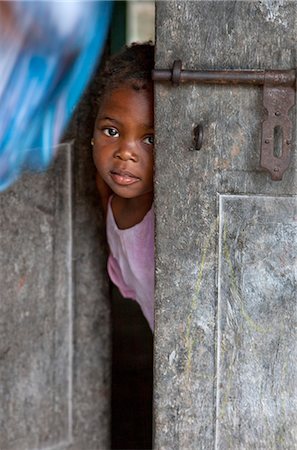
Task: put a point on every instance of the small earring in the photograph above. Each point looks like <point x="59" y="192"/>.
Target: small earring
<point x="92" y="142"/>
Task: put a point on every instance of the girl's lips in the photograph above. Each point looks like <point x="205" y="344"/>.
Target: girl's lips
<point x="123" y="178"/>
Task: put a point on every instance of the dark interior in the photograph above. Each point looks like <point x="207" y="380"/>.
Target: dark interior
<point x="132" y="376"/>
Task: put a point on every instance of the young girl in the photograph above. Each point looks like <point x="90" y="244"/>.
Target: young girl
<point x="123" y="145"/>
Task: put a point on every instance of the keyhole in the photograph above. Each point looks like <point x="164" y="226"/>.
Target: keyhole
<point x="278" y="142"/>
<point x="198" y="136"/>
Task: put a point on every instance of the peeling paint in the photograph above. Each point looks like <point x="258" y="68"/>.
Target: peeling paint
<point x="271" y="10"/>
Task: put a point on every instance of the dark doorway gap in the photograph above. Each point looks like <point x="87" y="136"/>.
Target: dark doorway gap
<point x="132" y="376"/>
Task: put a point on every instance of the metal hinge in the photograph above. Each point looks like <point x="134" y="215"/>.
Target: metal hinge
<point x="278" y="98"/>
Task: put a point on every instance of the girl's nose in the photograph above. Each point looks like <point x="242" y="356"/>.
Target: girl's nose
<point x="126" y="152"/>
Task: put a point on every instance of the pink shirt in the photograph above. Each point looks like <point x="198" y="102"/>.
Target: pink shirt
<point x="131" y="264"/>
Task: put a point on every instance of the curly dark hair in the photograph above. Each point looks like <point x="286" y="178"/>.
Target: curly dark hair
<point x="132" y="66"/>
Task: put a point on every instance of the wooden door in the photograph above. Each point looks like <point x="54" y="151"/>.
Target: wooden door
<point x="54" y="306"/>
<point x="226" y="316"/>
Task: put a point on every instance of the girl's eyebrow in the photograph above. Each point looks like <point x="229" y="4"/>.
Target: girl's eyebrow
<point x="108" y="118"/>
<point x="144" y="125"/>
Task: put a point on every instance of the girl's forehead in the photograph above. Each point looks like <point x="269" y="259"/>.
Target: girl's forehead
<point x="131" y="85"/>
<point x="126" y="94"/>
<point x="128" y="106"/>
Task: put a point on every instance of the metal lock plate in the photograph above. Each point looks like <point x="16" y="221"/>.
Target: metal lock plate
<point x="277" y="128"/>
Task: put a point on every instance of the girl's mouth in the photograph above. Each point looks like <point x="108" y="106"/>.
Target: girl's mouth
<point x="123" y="178"/>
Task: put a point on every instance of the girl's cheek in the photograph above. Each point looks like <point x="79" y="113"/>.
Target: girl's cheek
<point x="100" y="158"/>
<point x="96" y="157"/>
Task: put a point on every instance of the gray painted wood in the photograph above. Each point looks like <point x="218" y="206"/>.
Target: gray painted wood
<point x="54" y="314"/>
<point x="225" y="358"/>
<point x="257" y="316"/>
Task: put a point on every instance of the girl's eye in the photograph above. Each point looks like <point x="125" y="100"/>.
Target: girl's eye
<point x="149" y="140"/>
<point x="111" y="132"/>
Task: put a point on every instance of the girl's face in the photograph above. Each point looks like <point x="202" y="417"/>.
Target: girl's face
<point x="124" y="141"/>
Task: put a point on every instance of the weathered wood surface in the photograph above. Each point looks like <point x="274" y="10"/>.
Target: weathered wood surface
<point x="54" y="314"/>
<point x="225" y="352"/>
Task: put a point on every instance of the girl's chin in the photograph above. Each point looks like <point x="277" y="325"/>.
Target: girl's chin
<point x="129" y="193"/>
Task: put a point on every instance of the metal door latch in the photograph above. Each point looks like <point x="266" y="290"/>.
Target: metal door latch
<point x="278" y="98"/>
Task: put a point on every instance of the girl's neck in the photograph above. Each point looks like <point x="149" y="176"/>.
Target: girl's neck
<point x="128" y="212"/>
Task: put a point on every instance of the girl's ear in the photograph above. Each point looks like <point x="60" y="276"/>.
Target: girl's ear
<point x="92" y="142"/>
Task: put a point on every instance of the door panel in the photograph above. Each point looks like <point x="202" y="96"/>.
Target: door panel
<point x="36" y="310"/>
<point x="54" y="313"/>
<point x="256" y="322"/>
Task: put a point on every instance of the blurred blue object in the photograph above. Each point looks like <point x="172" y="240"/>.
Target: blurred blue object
<point x="48" y="51"/>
